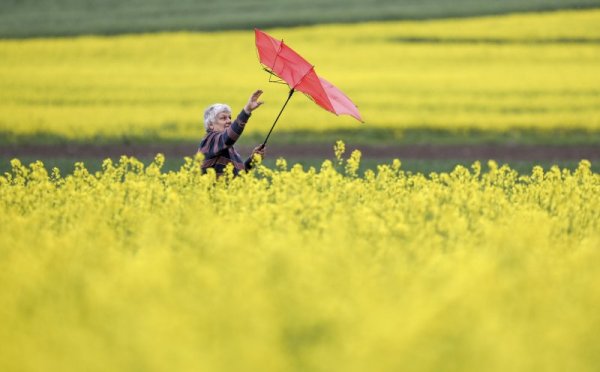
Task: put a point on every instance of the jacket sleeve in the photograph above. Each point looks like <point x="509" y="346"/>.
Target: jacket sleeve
<point x="215" y="142"/>
<point x="248" y="163"/>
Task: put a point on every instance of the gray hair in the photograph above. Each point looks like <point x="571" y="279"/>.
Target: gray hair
<point x="211" y="113"/>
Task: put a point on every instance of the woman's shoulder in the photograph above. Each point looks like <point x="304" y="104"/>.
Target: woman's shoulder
<point x="206" y="139"/>
<point x="208" y="135"/>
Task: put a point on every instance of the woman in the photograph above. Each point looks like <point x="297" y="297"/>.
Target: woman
<point x="221" y="134"/>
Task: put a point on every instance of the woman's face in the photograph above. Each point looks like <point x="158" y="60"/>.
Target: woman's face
<point x="222" y="122"/>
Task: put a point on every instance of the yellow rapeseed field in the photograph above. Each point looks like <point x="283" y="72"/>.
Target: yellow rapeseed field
<point x="533" y="71"/>
<point x="136" y="269"/>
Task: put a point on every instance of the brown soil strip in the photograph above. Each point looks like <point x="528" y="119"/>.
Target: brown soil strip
<point x="480" y="152"/>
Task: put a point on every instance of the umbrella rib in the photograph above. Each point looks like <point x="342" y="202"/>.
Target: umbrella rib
<point x="280" y="81"/>
<point x="277" y="55"/>
<point x="303" y="76"/>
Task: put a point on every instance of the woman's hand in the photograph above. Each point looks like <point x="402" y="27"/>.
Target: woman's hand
<point x="253" y="102"/>
<point x="260" y="150"/>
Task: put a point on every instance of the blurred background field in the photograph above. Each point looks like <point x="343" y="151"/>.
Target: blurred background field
<point x="418" y="78"/>
<point x="527" y="72"/>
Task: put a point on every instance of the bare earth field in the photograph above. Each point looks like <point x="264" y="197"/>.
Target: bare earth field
<point x="468" y="152"/>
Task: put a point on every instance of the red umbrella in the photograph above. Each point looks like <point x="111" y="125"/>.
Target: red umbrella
<point x="282" y="61"/>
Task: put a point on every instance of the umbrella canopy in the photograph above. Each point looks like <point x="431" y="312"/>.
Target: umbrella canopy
<point x="283" y="62"/>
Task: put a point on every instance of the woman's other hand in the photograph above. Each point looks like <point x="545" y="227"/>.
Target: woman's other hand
<point x="260" y="150"/>
<point x="253" y="102"/>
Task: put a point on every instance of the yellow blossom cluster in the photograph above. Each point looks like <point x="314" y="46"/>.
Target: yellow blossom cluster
<point x="535" y="71"/>
<point x="292" y="269"/>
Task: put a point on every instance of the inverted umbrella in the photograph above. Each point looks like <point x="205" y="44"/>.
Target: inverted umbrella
<point x="282" y="61"/>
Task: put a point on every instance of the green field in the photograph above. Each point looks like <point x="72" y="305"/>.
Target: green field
<point x="74" y="17"/>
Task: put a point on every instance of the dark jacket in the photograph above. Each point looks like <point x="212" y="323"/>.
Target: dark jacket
<point x="217" y="147"/>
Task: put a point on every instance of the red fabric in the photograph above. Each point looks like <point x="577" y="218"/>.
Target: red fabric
<point x="340" y="102"/>
<point x="300" y="75"/>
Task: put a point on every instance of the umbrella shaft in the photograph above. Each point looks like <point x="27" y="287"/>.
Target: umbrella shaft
<point x="278" y="115"/>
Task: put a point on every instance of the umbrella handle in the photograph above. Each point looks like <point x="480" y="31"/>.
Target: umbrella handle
<point x="278" y="115"/>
